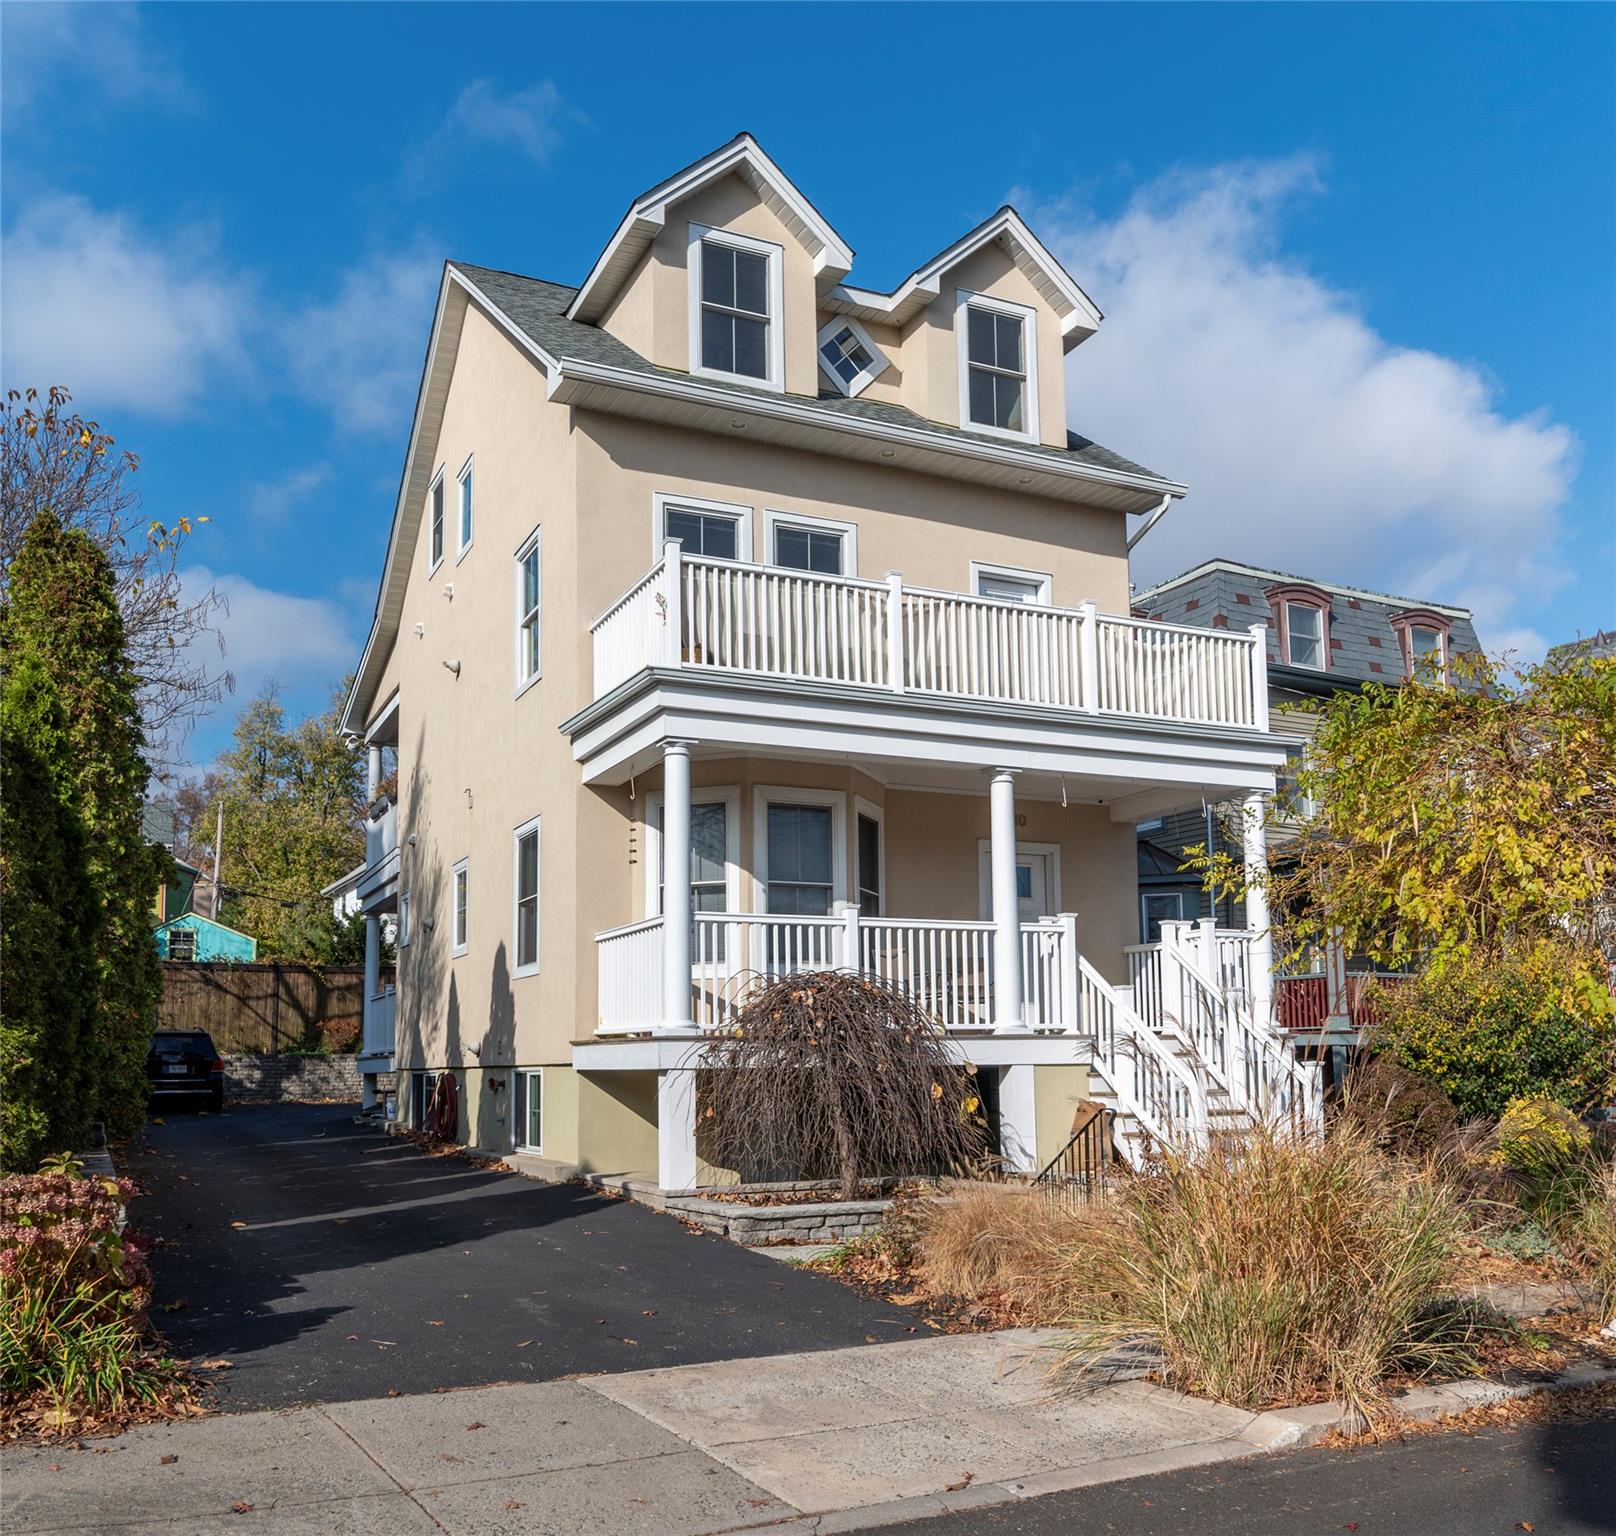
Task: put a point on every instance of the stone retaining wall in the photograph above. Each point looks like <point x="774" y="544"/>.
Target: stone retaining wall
<point x="755" y="1226"/>
<point x="262" y="1079"/>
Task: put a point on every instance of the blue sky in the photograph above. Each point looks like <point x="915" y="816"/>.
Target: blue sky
<point x="1356" y="261"/>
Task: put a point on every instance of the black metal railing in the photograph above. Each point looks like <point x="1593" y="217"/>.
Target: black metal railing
<point x="1080" y="1170"/>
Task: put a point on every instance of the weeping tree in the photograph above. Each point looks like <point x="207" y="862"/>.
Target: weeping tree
<point x="834" y="1075"/>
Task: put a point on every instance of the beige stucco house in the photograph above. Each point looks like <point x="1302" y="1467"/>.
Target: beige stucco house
<point x="737" y="618"/>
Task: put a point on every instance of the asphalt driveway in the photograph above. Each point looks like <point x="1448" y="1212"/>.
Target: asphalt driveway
<point x="330" y="1262"/>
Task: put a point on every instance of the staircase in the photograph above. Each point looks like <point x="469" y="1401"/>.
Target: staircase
<point x="1179" y="1057"/>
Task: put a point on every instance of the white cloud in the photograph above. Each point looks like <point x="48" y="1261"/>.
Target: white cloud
<point x="91" y="302"/>
<point x="299" y="642"/>
<point x="1309" y="441"/>
<point x="271" y="502"/>
<point x="359" y="353"/>
<point x="109" y="47"/>
<point x="528" y="121"/>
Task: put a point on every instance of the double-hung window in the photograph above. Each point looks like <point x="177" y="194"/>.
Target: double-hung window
<point x="528" y="591"/>
<point x="435" y="504"/>
<point x="710" y="852"/>
<point x="466" y="527"/>
<point x="716" y="529"/>
<point x="1425" y="652"/>
<point x="997" y="366"/>
<point x="525" y="899"/>
<point x="811" y="544"/>
<point x="403" y="921"/>
<point x="800" y="862"/>
<point x="869" y="865"/>
<point x="459" y="930"/>
<point x="1304" y="633"/>
<point x="735" y="307"/>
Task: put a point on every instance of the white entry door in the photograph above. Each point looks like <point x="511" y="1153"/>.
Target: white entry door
<point x="1032" y="887"/>
<point x="1037" y="888"/>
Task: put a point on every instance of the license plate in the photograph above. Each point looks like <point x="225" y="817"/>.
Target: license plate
<point x="177" y="1070"/>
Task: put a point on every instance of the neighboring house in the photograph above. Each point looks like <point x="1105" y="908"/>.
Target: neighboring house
<point x="1322" y="639"/>
<point x="194" y="937"/>
<point x="1596" y="647"/>
<point x="737" y="618"/>
<point x="343" y="895"/>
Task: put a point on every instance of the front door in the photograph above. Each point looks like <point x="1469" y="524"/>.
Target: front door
<point x="1032" y="887"/>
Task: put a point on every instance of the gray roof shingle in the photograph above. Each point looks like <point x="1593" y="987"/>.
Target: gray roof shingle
<point x="539" y="308"/>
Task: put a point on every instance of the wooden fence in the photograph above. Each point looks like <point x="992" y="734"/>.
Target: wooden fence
<point x="266" y="1007"/>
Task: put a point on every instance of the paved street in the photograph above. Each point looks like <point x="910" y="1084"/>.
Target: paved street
<point x="332" y="1262"/>
<point x="1551" y="1480"/>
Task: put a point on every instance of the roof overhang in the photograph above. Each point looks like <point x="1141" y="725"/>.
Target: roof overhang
<point x="1079" y="315"/>
<point x="743" y="156"/>
<point x="689" y="402"/>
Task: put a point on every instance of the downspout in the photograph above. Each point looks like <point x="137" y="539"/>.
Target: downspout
<point x="1154" y="517"/>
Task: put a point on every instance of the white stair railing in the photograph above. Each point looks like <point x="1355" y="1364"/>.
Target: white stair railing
<point x="1154" y="1088"/>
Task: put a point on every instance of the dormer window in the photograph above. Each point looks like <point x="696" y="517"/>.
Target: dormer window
<point x="1423" y="638"/>
<point x="848" y="357"/>
<point x="1302" y="614"/>
<point x="998" y="366"/>
<point x="735" y="293"/>
<point x="1306" y="626"/>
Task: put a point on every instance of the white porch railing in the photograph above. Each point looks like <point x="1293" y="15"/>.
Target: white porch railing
<point x="728" y="617"/>
<point x="381" y="832"/>
<point x="946" y="966"/>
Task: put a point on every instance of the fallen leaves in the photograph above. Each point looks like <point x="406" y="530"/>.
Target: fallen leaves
<point x="241" y="1507"/>
<point x="476" y="1424"/>
<point x="238" y="1224"/>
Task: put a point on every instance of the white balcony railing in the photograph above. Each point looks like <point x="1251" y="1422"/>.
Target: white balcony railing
<point x="946" y="966"/>
<point x="381" y="832"/>
<point x="721" y="616"/>
<point x="381" y="1022"/>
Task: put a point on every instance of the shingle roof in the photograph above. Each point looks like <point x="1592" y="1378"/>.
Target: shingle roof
<point x="1364" y="647"/>
<point x="539" y="308"/>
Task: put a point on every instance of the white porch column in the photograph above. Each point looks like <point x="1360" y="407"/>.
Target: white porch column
<point x="676" y="913"/>
<point x="373" y="771"/>
<point x="1006" y="918"/>
<point x="1257" y="916"/>
<point x="1018" y="1119"/>
<point x="676" y="1126"/>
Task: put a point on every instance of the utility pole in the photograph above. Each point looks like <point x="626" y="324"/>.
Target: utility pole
<point x="218" y="863"/>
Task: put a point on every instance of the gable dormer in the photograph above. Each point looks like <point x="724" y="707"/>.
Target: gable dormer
<point x="718" y="272"/>
<point x="726" y="271"/>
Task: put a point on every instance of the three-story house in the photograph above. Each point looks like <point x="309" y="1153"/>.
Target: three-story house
<point x="738" y="619"/>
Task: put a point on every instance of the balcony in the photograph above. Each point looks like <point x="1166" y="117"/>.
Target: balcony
<point x="719" y="618"/>
<point x="946" y="966"/>
<point x="380" y="880"/>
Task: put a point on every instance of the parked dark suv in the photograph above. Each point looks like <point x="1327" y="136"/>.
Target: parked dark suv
<point x="183" y="1063"/>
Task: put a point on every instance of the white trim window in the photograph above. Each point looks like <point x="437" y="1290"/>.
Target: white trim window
<point x="998" y="364"/>
<point x="1427" y="651"/>
<point x="1011" y="585"/>
<point x="527" y="1117"/>
<point x="800" y="842"/>
<point x="803" y="543"/>
<point x="459" y="908"/>
<point x="434" y="502"/>
<point x="529" y="591"/>
<point x="465" y="524"/>
<point x="1294" y="802"/>
<point x="715" y="850"/>
<point x="847" y="356"/>
<point x="736" y="299"/>
<point x="1304" y="635"/>
<point x="403" y="921"/>
<point x="525" y="899"/>
<point x="718" y="530"/>
<point x="870" y="852"/>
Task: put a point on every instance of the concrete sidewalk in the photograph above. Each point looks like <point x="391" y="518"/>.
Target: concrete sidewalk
<point x="826" y="1441"/>
<point x="857" y="1433"/>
